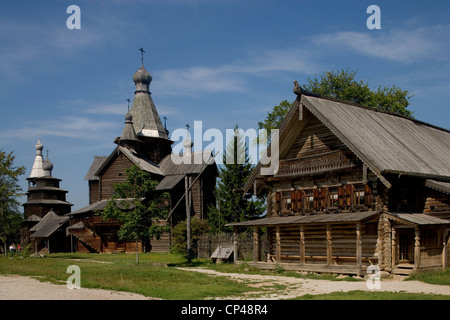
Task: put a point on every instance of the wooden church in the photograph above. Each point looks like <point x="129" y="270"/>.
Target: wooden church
<point x="45" y="210"/>
<point x="355" y="187"/>
<point x="144" y="142"/>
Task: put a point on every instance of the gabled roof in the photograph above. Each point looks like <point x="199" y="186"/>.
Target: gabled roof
<point x="48" y="225"/>
<point x="174" y="173"/>
<point x="140" y="161"/>
<point x="99" y="206"/>
<point x="194" y="166"/>
<point x="386" y="142"/>
<point x="98" y="161"/>
<point x="169" y="182"/>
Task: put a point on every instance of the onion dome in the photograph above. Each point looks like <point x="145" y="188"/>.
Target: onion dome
<point x="37" y="170"/>
<point x="47" y="167"/>
<point x="128" y="134"/>
<point x="39" y="145"/>
<point x="187" y="144"/>
<point x="142" y="76"/>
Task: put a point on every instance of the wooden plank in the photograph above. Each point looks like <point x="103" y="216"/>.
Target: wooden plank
<point x="302" y="244"/>
<point x="278" y="244"/>
<point x="329" y="245"/>
<point x="256" y="244"/>
<point x="417" y="248"/>
<point x="358" y="245"/>
<point x="235" y="245"/>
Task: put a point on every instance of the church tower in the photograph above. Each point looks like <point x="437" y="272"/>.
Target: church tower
<point x="45" y="207"/>
<point x="146" y="122"/>
<point x="44" y="193"/>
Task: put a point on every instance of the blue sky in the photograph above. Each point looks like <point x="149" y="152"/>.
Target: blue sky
<point x="223" y="62"/>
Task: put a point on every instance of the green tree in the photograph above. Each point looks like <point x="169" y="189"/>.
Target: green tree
<point x="231" y="204"/>
<point x="137" y="205"/>
<point x="344" y="86"/>
<point x="276" y="116"/>
<point x="10" y="217"/>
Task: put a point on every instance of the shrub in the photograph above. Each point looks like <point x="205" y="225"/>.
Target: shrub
<point x="179" y="245"/>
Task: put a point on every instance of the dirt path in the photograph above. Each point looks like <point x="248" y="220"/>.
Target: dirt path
<point x="268" y="287"/>
<point x="14" y="287"/>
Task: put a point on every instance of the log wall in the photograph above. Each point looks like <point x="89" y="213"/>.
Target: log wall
<point x="115" y="173"/>
<point x="324" y="244"/>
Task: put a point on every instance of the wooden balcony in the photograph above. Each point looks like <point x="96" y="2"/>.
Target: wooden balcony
<point x="335" y="160"/>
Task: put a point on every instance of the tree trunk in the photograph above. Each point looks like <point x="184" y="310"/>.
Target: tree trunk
<point x="137" y="252"/>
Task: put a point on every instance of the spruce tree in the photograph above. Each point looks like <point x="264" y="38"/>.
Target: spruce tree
<point x="232" y="205"/>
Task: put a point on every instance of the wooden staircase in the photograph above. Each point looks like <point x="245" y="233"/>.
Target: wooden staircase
<point x="88" y="239"/>
<point x="403" y="269"/>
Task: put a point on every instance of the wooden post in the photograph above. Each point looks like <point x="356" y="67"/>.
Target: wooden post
<point x="256" y="245"/>
<point x="417" y="248"/>
<point x="235" y="245"/>
<point x="444" y="252"/>
<point x="188" y="218"/>
<point x="278" y="248"/>
<point x="329" y="245"/>
<point x="302" y="244"/>
<point x="358" y="245"/>
<point x="393" y="249"/>
<point x="270" y="244"/>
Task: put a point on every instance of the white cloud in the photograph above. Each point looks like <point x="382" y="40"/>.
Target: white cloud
<point x="66" y="126"/>
<point x="404" y="46"/>
<point x="235" y="76"/>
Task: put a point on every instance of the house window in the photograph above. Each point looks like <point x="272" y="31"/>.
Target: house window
<point x="358" y="195"/>
<point x="308" y="199"/>
<point x="333" y="197"/>
<point x="286" y="201"/>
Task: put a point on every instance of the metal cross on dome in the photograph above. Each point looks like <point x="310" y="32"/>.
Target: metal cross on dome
<point x="142" y="55"/>
<point x="128" y="104"/>
<point x="187" y="129"/>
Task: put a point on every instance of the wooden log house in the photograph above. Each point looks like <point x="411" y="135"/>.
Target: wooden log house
<point x="144" y="142"/>
<point x="355" y="187"/>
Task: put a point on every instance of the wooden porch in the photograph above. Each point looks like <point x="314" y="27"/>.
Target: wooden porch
<point x="419" y="243"/>
<point x="340" y="243"/>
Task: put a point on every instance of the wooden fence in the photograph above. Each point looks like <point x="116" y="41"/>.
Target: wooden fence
<point x="207" y="243"/>
<point x="431" y="257"/>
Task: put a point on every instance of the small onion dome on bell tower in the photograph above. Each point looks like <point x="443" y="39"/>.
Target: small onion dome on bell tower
<point x="48" y="167"/>
<point x="188" y="144"/>
<point x="142" y="79"/>
<point x="39" y="146"/>
<point x="37" y="170"/>
<point x="128" y="137"/>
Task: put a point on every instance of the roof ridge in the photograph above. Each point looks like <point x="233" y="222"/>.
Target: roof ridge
<point x="301" y="91"/>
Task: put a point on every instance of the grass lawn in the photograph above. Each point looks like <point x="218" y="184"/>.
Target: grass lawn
<point x="366" y="295"/>
<point x="150" y="277"/>
<point x="433" y="278"/>
<point x="155" y="276"/>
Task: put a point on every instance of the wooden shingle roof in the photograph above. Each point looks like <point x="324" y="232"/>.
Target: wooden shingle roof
<point x="48" y="225"/>
<point x="98" y="161"/>
<point x="309" y="219"/>
<point x="386" y="142"/>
